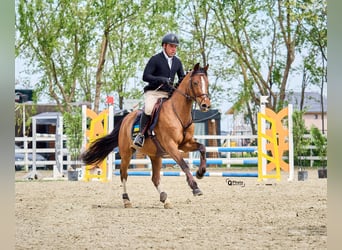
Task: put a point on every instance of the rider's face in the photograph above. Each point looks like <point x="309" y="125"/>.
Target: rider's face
<point x="170" y="49"/>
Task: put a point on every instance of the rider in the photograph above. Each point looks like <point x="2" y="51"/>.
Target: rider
<point x="159" y="73"/>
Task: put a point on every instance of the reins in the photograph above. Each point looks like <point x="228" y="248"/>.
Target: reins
<point x="180" y="120"/>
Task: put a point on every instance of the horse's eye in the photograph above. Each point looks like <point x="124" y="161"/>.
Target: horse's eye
<point x="195" y="83"/>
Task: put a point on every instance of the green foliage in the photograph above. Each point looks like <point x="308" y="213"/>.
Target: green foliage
<point x="66" y="39"/>
<point x="73" y="130"/>
<point x="299" y="141"/>
<point x="320" y="143"/>
<point x="250" y="45"/>
<point x="21" y="113"/>
<point x="56" y="38"/>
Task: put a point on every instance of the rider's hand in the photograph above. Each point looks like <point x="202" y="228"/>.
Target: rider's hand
<point x="164" y="80"/>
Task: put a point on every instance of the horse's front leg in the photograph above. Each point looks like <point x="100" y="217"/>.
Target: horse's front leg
<point x="192" y="146"/>
<point x="156" y="166"/>
<point x="190" y="179"/>
<point x="177" y="156"/>
<point x="203" y="162"/>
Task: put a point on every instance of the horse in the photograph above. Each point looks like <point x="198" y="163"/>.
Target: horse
<point x="173" y="133"/>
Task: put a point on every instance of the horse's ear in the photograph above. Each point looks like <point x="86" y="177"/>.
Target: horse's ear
<point x="196" y="67"/>
<point x="206" y="68"/>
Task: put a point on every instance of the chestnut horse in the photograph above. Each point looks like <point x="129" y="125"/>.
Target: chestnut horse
<point x="174" y="131"/>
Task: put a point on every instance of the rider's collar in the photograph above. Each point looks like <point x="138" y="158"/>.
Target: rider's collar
<point x="166" y="56"/>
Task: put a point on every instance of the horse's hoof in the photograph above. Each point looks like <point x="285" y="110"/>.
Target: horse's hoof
<point x="198" y="175"/>
<point x="163" y="196"/>
<point x="168" y="205"/>
<point x="197" y="192"/>
<point x="127" y="204"/>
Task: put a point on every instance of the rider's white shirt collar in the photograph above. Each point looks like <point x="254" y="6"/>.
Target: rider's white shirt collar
<point x="169" y="59"/>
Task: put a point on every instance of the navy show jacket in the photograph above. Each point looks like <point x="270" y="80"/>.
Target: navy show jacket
<point x="158" y="67"/>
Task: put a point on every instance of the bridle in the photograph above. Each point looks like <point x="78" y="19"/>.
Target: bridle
<point x="191" y="97"/>
<point x="194" y="96"/>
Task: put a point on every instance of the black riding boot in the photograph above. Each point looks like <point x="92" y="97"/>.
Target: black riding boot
<point x="144" y="122"/>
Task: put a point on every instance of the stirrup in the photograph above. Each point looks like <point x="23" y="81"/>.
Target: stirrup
<point x="139" y="140"/>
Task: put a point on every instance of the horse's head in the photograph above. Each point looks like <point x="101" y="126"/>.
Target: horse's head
<point x="198" y="89"/>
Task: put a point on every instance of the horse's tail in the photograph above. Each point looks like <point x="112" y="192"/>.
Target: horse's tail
<point x="101" y="147"/>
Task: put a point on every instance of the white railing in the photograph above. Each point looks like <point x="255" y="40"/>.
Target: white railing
<point x="225" y="141"/>
<point x="311" y="157"/>
<point x="26" y="150"/>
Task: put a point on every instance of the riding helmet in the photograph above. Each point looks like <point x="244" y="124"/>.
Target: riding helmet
<point x="170" y="38"/>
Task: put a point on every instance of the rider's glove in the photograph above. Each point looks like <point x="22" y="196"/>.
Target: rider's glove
<point x="164" y="80"/>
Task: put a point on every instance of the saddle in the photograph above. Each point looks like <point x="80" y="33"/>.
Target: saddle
<point x="153" y="122"/>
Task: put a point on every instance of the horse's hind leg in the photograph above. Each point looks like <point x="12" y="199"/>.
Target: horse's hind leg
<point x="123" y="176"/>
<point x="156" y="166"/>
<point x="125" y="198"/>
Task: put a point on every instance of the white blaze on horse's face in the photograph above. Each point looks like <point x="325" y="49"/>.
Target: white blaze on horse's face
<point x="205" y="102"/>
<point x="204" y="91"/>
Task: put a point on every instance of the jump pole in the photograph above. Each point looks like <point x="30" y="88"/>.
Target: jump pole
<point x="110" y="157"/>
<point x="178" y="173"/>
<point x="291" y="156"/>
<point x="217" y="161"/>
<point x="232" y="149"/>
<point x="209" y="161"/>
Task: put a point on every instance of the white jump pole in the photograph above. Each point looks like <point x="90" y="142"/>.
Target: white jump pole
<point x="110" y="159"/>
<point x="84" y="133"/>
<point x="263" y="100"/>
<point x="290" y="128"/>
<point x="34" y="147"/>
<point x="58" y="171"/>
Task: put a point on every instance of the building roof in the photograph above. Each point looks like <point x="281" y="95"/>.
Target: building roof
<point x="47" y="118"/>
<point x="199" y="116"/>
<point x="312" y="101"/>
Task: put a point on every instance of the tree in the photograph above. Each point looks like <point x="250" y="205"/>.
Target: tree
<point x="66" y="38"/>
<point x="315" y="42"/>
<point x="264" y="38"/>
<point x="195" y="21"/>
<point x="299" y="141"/>
<point x="129" y="43"/>
<point x="321" y="144"/>
<point x="86" y="49"/>
<point x="56" y="36"/>
<point x="73" y="130"/>
<point x="126" y="27"/>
